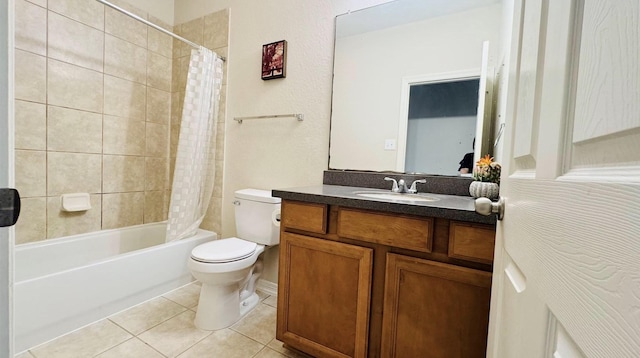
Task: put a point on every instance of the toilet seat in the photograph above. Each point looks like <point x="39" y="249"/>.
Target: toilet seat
<point x="223" y="251"/>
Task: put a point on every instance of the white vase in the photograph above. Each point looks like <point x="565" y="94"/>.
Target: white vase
<point x="479" y="189"/>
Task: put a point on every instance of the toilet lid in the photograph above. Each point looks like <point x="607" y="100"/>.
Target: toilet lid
<point x="225" y="250"/>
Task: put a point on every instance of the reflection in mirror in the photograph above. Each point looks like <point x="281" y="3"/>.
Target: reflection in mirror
<point x="441" y="115"/>
<point x="381" y="54"/>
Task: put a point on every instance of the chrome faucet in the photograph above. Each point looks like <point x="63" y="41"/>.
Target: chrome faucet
<point x="400" y="186"/>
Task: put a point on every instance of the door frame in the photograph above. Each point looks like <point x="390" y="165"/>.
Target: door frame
<point x="7" y="172"/>
<point x="405" y="91"/>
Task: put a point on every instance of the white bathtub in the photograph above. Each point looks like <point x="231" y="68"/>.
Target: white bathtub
<point x="66" y="283"/>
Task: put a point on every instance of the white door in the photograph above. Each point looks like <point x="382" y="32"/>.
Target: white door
<point x="567" y="271"/>
<point x="6" y="177"/>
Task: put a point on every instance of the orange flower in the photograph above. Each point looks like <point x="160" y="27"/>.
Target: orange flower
<point x="486" y="160"/>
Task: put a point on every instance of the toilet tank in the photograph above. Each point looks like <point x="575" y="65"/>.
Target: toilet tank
<point x="255" y="213"/>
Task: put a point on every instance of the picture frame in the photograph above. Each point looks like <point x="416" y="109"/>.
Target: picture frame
<point x="274" y="60"/>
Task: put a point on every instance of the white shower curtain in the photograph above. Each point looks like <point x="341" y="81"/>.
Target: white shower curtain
<point x="194" y="173"/>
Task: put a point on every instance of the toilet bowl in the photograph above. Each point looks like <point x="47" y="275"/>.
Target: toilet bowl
<point x="229" y="268"/>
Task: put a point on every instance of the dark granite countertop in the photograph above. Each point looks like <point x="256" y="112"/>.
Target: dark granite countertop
<point x="447" y="206"/>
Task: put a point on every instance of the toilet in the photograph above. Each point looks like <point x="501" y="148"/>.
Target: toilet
<point x="229" y="268"/>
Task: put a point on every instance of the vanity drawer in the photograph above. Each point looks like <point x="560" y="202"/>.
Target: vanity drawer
<point x="413" y="233"/>
<point x="471" y="242"/>
<point x="310" y="217"/>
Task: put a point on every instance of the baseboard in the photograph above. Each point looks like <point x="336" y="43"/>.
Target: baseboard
<point x="268" y="287"/>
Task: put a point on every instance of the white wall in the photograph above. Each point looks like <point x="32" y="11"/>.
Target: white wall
<point x="275" y="153"/>
<point x="373" y="64"/>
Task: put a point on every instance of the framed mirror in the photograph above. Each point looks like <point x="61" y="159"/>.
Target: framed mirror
<point x="411" y="90"/>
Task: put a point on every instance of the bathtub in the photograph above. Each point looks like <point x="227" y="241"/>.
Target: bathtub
<point x="64" y="284"/>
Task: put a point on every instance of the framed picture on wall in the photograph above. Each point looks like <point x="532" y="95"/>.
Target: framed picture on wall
<point x="274" y="60"/>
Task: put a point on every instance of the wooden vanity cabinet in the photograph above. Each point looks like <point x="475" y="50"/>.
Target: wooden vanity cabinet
<point x="361" y="283"/>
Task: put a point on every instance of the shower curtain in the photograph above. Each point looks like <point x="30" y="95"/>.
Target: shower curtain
<point x="194" y="173"/>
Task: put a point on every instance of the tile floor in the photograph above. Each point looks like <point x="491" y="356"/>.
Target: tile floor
<point x="163" y="327"/>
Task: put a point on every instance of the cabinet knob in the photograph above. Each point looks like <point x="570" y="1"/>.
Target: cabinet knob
<point x="487" y="207"/>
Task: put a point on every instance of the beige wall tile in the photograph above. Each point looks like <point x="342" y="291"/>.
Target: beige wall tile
<point x="154" y="210"/>
<point x="31" y="27"/>
<point x="62" y="223"/>
<point x="156" y="173"/>
<point x="125" y="60"/>
<point x="32" y="223"/>
<point x="192" y="31"/>
<point x="177" y="99"/>
<point x="123" y="136"/>
<point x="124" y="98"/>
<point x="122" y="174"/>
<point x="123" y="209"/>
<point x="74" y="87"/>
<point x="157" y="21"/>
<point x="31" y="77"/>
<point x="174" y="140"/>
<point x="160" y="43"/>
<point x="76" y="43"/>
<point x="216" y="29"/>
<point x="158" y="106"/>
<point x="88" y="12"/>
<point x="70" y="130"/>
<point x="73" y="173"/>
<point x="127" y="5"/>
<point x="184" y="71"/>
<point x="31" y="125"/>
<point x="177" y="44"/>
<point x="31" y="169"/>
<point x="213" y="218"/>
<point x="222" y="109"/>
<point x="220" y="141"/>
<point x="157" y="138"/>
<point x="159" y="71"/>
<point x="175" y="74"/>
<point x="217" y="187"/>
<point x="125" y="27"/>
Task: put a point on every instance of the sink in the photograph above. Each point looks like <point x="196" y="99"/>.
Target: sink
<point x="395" y="196"/>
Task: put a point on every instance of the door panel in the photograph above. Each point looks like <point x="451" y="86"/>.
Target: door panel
<point x="572" y="221"/>
<point x="607" y="100"/>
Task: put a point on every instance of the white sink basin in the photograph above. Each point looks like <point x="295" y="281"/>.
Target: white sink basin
<point x="395" y="196"/>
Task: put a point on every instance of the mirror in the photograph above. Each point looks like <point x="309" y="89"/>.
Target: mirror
<point x="410" y="84"/>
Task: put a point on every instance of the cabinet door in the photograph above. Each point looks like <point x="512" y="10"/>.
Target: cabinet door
<point x="323" y="296"/>
<point x="434" y="310"/>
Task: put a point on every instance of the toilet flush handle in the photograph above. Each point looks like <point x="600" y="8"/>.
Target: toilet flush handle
<point x="236" y="202"/>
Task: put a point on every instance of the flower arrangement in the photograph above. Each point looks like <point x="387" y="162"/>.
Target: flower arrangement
<point x="486" y="170"/>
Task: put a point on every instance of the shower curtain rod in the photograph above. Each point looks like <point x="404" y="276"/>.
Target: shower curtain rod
<point x="117" y="8"/>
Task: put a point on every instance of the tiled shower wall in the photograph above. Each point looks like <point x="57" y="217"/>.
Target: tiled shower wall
<point x="93" y="114"/>
<point x="212" y="31"/>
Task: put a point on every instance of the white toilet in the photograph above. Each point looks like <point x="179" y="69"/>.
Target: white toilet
<point x="229" y="268"/>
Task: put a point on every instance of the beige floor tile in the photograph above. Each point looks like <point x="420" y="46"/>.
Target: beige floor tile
<point x="146" y="315"/>
<point x="278" y="346"/>
<point x="269" y="353"/>
<point x="175" y="335"/>
<point x="224" y="343"/>
<point x="271" y="301"/>
<point x="86" y="342"/>
<point x="25" y="355"/>
<point x="262" y="295"/>
<point x="259" y="324"/>
<point x="133" y="348"/>
<point x="187" y="296"/>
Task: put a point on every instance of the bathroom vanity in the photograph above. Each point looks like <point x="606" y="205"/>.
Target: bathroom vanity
<point x="366" y="275"/>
